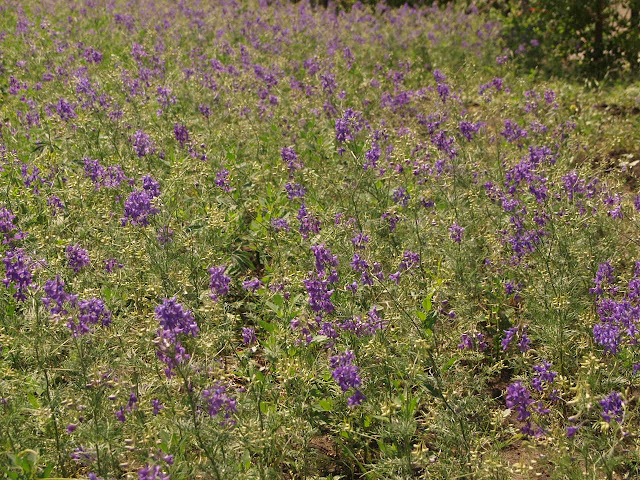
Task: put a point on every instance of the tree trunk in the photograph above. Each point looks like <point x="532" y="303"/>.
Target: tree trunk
<point x="634" y="26"/>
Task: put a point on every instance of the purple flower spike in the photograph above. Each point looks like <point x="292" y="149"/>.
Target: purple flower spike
<point x="77" y="257"/>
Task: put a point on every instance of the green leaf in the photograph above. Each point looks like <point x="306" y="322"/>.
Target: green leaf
<point x="274" y="308"/>
<point x="269" y="327"/>
<point x="426" y="303"/>
<point x="33" y="400"/>
<point x="449" y="364"/>
<point x="430" y="320"/>
<point x="326" y="404"/>
<point x="47" y="471"/>
<point x="278" y="300"/>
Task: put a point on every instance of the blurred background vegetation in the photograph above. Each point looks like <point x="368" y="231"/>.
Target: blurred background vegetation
<point x="593" y="39"/>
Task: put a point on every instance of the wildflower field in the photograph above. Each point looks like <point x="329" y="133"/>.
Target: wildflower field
<point x="266" y="240"/>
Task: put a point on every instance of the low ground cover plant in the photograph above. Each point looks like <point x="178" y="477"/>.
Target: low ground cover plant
<point x="248" y="239"/>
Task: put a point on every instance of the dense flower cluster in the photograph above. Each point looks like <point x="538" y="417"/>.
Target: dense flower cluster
<point x="91" y="312"/>
<point x="77" y="257"/>
<point x="219" y="282"/>
<point x="138" y="208"/>
<point x="18" y="272"/>
<point x="347" y="376"/>
<point x="56" y="300"/>
<point x="612" y="407"/>
<point x="219" y="401"/>
<point x="142" y="144"/>
<point x="384" y="181"/>
<point x="8" y="229"/>
<point x="618" y="309"/>
<point x="175" y="322"/>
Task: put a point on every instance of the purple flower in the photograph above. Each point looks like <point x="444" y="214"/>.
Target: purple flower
<point x="549" y="95"/>
<point x="248" y="336"/>
<point x="142" y="144"/>
<point x="466" y="342"/>
<point x="603" y="275"/>
<point x="392" y="219"/>
<point x="511" y="333"/>
<point x="91" y="55"/>
<point x="205" y="110"/>
<point x="290" y="157"/>
<point x="519" y="399"/>
<point x="368" y="326"/>
<point x="356" y="399"/>
<point x="84" y="457"/>
<point x="165" y="235"/>
<point x="110" y="177"/>
<point x="360" y="241"/>
<point x="7" y="226"/>
<point x="438" y="76"/>
<point x="65" y="110"/>
<point x="120" y="415"/>
<point x="18" y="272"/>
<point x="543" y="374"/>
<point x="138" y="208"/>
<point x="91" y="312"/>
<point x="56" y="297"/>
<point x="612" y="407"/>
<point x="608" y="335"/>
<point x="152" y="472"/>
<point x="348" y="126"/>
<point x="347" y="375"/>
<point x="409" y="260"/>
<point x="252" y="285"/>
<point x="218" y="401"/>
<point x="295" y="190"/>
<point x="401" y="197"/>
<point x="173" y="318"/>
<point x="308" y="222"/>
<point x="280" y="224"/>
<point x="512" y="131"/>
<point x="469" y="341"/>
<point x="456" y="232"/>
<point x="151" y="186"/>
<point x="219" y="282"/>
<point x="165" y="98"/>
<point x="372" y="156"/>
<point x="222" y="180"/>
<point x="132" y="404"/>
<point x="174" y="321"/>
<point x="324" y="257"/>
<point x="468" y="129"/>
<point x="571" y="431"/>
<point x="77" y="257"/>
<point x="55" y="204"/>
<point x="157" y="406"/>
<point x="110" y="264"/>
<point x="319" y="294"/>
<point x="358" y="263"/>
<point x="181" y="133"/>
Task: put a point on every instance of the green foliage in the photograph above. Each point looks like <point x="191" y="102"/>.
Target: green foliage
<point x="595" y="38"/>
